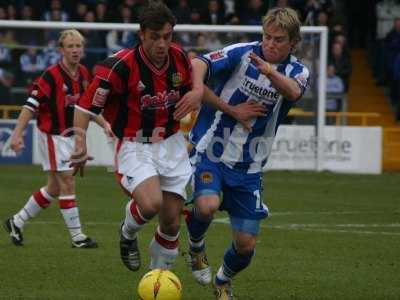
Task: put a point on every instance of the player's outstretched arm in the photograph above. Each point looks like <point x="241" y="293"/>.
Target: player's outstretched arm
<point x="191" y="100"/>
<point x="80" y="157"/>
<point x="17" y="138"/>
<point x="99" y="119"/>
<point x="242" y="112"/>
<point x="286" y="86"/>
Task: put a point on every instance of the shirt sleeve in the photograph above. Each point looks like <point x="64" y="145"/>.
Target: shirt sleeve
<point x="39" y="92"/>
<point x="224" y="61"/>
<point x="106" y="81"/>
<point x="301" y="75"/>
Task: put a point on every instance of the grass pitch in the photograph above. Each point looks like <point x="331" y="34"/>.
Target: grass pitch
<point x="329" y="236"/>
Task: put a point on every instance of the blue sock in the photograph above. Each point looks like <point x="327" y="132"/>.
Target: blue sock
<point x="197" y="229"/>
<point x="233" y="264"/>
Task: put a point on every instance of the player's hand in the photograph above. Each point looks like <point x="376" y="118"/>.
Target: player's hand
<point x="78" y="159"/>
<point x="263" y="66"/>
<point x="17" y="143"/>
<point x="108" y="130"/>
<point x="246" y="111"/>
<point x="190" y="102"/>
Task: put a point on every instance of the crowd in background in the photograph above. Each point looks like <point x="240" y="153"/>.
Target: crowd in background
<point x="24" y="54"/>
<point x="385" y="50"/>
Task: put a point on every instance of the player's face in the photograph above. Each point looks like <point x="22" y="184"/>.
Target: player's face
<point x="72" y="50"/>
<point x="276" y="44"/>
<point x="156" y="43"/>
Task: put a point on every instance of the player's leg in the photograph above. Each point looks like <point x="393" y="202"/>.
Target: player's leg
<point x="38" y="201"/>
<point x="164" y="245"/>
<point x="237" y="257"/>
<point x="206" y="189"/>
<point x="144" y="205"/>
<point x="70" y="211"/>
<point x="242" y="200"/>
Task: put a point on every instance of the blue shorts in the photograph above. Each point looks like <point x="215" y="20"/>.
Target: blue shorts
<point x="241" y="191"/>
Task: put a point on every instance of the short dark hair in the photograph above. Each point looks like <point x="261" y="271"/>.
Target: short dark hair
<point x="155" y="16"/>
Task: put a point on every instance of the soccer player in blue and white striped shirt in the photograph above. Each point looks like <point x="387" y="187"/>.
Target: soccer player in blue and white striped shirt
<point x="229" y="156"/>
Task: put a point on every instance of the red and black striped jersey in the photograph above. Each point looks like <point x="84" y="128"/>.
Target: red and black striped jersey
<point x="139" y="99"/>
<point x="53" y="96"/>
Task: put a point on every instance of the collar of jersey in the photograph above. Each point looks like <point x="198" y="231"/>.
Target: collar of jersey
<point x="150" y="65"/>
<point x="65" y="69"/>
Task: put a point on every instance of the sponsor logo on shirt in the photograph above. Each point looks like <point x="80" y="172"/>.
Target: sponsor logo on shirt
<point x="261" y="93"/>
<point x="160" y="101"/>
<point x="217" y="55"/>
<point x="100" y="97"/>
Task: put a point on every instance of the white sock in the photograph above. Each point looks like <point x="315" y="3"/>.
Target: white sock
<point x="35" y="204"/>
<point x="221" y="275"/>
<point x="133" y="222"/>
<point x="70" y="214"/>
<point x="163" y="250"/>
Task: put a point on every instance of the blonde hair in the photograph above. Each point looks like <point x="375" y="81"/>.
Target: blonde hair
<point x="286" y="19"/>
<point x="69" y="32"/>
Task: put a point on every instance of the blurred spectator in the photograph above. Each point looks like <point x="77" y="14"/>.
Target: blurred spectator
<point x="11" y="12"/>
<point x="182" y="12"/>
<point x="3" y="13"/>
<point x="396" y="86"/>
<point x="50" y="54"/>
<point x="386" y="13"/>
<point x="322" y="19"/>
<point x="334" y="90"/>
<point x="55" y="13"/>
<point x="214" y="14"/>
<point x="229" y="8"/>
<point x="101" y="12"/>
<point x="253" y="13"/>
<point x="117" y="40"/>
<point x="80" y="11"/>
<point x="310" y="12"/>
<point x="392" y="50"/>
<point x="6" y="81"/>
<point x="213" y="42"/>
<point x="195" y="17"/>
<point x="342" y="64"/>
<point x="5" y="53"/>
<point x="32" y="64"/>
<point x="282" y="3"/>
<point x="28" y="35"/>
<point x="94" y="43"/>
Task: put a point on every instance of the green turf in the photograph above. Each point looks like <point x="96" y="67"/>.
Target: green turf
<point x="329" y="236"/>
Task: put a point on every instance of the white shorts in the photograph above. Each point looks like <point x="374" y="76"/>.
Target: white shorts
<point x="55" y="151"/>
<point x="167" y="159"/>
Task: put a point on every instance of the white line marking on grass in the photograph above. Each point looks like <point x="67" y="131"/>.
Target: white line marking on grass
<point x="329" y="228"/>
<point x="326" y="227"/>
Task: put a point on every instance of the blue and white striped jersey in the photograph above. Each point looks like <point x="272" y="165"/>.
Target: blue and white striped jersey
<point x="220" y="136"/>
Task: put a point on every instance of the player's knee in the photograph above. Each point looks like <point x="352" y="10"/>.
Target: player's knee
<point x="53" y="190"/>
<point x="245" y="247"/>
<point x="171" y="228"/>
<point x="206" y="208"/>
<point x="67" y="185"/>
<point x="150" y="206"/>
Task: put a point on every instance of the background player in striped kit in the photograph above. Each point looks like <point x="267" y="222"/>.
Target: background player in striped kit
<point x="52" y="99"/>
<point x="227" y="157"/>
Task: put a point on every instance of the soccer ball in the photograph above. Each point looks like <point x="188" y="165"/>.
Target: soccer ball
<point x="160" y="284"/>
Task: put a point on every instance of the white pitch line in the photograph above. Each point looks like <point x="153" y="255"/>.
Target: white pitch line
<point x="292" y="226"/>
<point x="326" y="227"/>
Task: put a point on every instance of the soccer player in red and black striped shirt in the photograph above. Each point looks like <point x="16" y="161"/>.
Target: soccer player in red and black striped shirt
<point x="144" y="92"/>
<point x="51" y="99"/>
